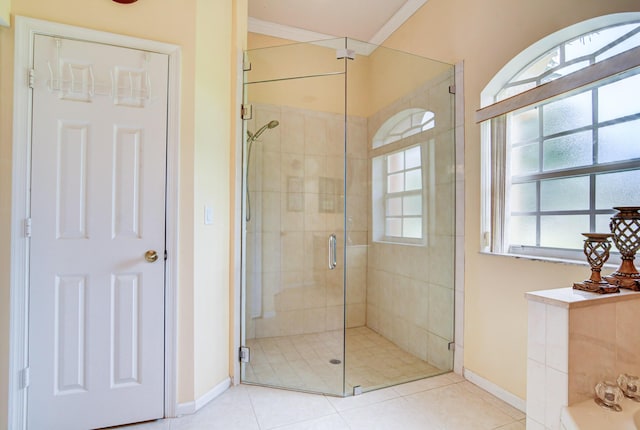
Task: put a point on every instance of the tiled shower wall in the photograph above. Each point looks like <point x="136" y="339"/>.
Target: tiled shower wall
<point x="410" y="290"/>
<point x="297" y="189"/>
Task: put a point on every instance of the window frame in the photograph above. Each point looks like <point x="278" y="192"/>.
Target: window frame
<point x="387" y="195"/>
<point x="381" y="149"/>
<point x="495" y="168"/>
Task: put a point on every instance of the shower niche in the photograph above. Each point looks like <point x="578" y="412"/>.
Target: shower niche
<point x="348" y="217"/>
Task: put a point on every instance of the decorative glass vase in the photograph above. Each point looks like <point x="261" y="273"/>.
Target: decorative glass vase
<point x="630" y="386"/>
<point x="609" y="395"/>
<point x="596" y="248"/>
<point x="625" y="227"/>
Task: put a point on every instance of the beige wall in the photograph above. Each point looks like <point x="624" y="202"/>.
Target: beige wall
<point x="211" y="35"/>
<point x="486" y="35"/>
<point x="212" y="188"/>
<point x="5" y="10"/>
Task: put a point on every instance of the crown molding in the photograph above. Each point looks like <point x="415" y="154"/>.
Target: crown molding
<point x="396" y="21"/>
<point x="296" y="34"/>
<point x="362" y="47"/>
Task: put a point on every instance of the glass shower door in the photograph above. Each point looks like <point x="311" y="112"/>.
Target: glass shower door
<point x="293" y="253"/>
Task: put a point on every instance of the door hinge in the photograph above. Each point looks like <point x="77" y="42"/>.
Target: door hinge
<point x="27" y="227"/>
<point x="31" y="78"/>
<point x="451" y="346"/>
<point x="25" y="377"/>
<point x="245" y="354"/>
<point x="166" y="255"/>
<point x="246" y="111"/>
<point x="246" y="66"/>
<point x="452" y="89"/>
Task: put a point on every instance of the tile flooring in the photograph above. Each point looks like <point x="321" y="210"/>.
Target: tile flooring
<point x="303" y="362"/>
<point x="444" y="402"/>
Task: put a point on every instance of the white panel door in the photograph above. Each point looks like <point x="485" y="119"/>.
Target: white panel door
<point x="96" y="304"/>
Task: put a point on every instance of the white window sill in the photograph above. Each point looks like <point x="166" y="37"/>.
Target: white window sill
<point x="609" y="264"/>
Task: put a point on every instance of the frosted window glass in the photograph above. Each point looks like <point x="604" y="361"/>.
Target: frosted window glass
<point x="395" y="183"/>
<point x="403" y="125"/>
<point x="523" y="230"/>
<point x="414" y="180"/>
<point x="567" y="114"/>
<point x="412" y="205"/>
<point x="513" y="90"/>
<point x="618" y="189"/>
<point x="523" y="126"/>
<point x="394" y="206"/>
<point x="428" y="125"/>
<point x="412" y="157"/>
<point x="629" y="43"/>
<point x="602" y="225"/>
<point x="540" y="66"/>
<point x="615" y="100"/>
<point x="394" y="227"/>
<point x="564" y="194"/>
<point x="416" y="119"/>
<point x="395" y="162"/>
<point x="410" y="132"/>
<point x="412" y="228"/>
<point x="525" y="159"/>
<point x="390" y="139"/>
<point x="619" y="142"/>
<point x="563" y="231"/>
<point x="523" y="197"/>
<point x="428" y="116"/>
<point x="568" y="151"/>
<point x="564" y="71"/>
<point x="590" y="43"/>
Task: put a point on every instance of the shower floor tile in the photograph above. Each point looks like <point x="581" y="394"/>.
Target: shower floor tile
<point x="304" y="362"/>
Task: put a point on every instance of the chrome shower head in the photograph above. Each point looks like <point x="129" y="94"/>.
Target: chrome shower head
<point x="269" y="125"/>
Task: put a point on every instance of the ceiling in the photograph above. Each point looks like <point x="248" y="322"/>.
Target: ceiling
<point x="307" y="20"/>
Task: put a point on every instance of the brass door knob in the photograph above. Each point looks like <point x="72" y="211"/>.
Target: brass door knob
<point x="151" y="256"/>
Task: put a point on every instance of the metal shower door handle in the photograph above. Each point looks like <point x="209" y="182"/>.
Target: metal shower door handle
<point x="332" y="252"/>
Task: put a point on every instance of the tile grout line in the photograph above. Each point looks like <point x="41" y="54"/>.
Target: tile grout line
<point x="255" y="415"/>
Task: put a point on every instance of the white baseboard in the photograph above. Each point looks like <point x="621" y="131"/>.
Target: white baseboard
<point x="497" y="391"/>
<point x="189" y="408"/>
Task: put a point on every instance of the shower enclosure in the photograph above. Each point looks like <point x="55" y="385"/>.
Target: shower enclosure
<point x="348" y="217"/>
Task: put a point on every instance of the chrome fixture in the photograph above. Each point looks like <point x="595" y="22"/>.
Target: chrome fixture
<point x="252" y="137"/>
<point x="332" y="252"/>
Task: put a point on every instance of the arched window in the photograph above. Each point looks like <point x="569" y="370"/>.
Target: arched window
<point x="562" y="145"/>
<point x="402" y="125"/>
<point x="398" y="178"/>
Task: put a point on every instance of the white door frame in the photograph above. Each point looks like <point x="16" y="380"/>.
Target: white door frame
<point x="25" y="31"/>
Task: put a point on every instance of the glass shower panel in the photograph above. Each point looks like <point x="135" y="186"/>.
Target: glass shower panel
<point x="399" y="284"/>
<point x="293" y="301"/>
